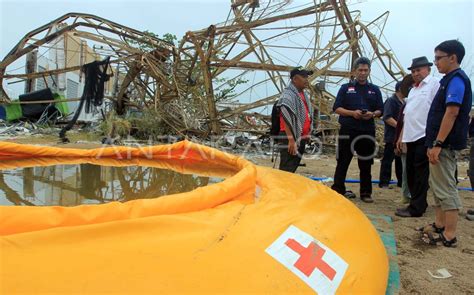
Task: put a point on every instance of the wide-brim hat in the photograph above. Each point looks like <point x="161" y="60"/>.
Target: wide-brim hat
<point x="419" y="62"/>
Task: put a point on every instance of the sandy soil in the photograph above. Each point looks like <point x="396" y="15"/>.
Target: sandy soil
<point x="414" y="257"/>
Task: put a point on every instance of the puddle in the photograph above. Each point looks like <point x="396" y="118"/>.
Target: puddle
<point x="85" y="183"/>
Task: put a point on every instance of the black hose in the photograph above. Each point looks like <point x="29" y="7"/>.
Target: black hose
<point x="93" y="93"/>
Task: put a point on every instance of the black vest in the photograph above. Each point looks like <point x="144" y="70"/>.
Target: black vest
<point x="457" y="138"/>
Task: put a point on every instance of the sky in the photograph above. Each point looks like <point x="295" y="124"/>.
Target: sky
<point x="413" y="29"/>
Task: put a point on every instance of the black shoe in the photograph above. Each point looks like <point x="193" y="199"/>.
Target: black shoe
<point x="404" y="212"/>
<point x="470" y="215"/>
<point x="366" y="199"/>
<point x="384" y="186"/>
<point x="349" y="194"/>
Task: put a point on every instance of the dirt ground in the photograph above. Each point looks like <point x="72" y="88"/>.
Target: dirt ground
<point x="414" y="257"/>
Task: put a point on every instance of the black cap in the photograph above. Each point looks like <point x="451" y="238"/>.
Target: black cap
<point x="300" y="71"/>
<point x="397" y="86"/>
<point x="419" y="62"/>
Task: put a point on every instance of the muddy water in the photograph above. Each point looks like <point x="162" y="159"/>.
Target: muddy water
<point x="76" y="184"/>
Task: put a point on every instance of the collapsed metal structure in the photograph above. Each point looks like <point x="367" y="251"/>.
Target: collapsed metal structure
<point x="227" y="76"/>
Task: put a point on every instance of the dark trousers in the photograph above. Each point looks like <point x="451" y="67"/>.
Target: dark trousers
<point x="418" y="173"/>
<point x="363" y="143"/>
<point x="289" y="162"/>
<point x="386" y="165"/>
<point x="471" y="164"/>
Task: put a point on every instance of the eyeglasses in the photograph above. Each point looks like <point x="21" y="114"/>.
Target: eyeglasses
<point x="437" y="58"/>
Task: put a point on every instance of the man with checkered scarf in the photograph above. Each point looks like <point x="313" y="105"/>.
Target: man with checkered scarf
<point x="296" y="120"/>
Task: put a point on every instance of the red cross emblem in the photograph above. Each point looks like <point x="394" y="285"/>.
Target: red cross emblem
<point x="311" y="257"/>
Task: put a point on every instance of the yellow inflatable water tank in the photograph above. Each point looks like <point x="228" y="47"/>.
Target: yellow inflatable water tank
<point x="259" y="231"/>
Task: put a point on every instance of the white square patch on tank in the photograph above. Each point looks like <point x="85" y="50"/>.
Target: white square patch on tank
<point x="309" y="259"/>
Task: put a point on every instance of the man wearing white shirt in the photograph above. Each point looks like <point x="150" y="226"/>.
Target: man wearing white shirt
<point x="413" y="135"/>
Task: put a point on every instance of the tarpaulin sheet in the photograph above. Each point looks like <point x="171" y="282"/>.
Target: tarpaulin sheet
<point x="13" y="111"/>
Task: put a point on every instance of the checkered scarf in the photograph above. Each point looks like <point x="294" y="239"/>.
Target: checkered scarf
<point x="293" y="110"/>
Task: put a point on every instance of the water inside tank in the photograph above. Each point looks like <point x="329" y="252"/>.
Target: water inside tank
<point x="86" y="183"/>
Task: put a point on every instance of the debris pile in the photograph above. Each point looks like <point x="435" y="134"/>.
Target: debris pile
<point x="220" y="79"/>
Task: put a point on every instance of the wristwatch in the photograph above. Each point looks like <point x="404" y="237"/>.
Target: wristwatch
<point x="437" y="143"/>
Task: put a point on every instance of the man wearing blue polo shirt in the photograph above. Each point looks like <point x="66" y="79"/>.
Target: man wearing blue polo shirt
<point x="446" y="135"/>
<point x="357" y="104"/>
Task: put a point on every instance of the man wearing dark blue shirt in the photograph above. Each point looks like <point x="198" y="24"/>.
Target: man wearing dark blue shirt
<point x="391" y="110"/>
<point x="357" y="104"/>
<point x="446" y="135"/>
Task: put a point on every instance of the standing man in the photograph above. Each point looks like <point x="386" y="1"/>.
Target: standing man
<point x="414" y="134"/>
<point x="357" y="104"/>
<point x="296" y="120"/>
<point x="391" y="111"/>
<point x="407" y="84"/>
<point x="446" y="136"/>
<point x="471" y="158"/>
